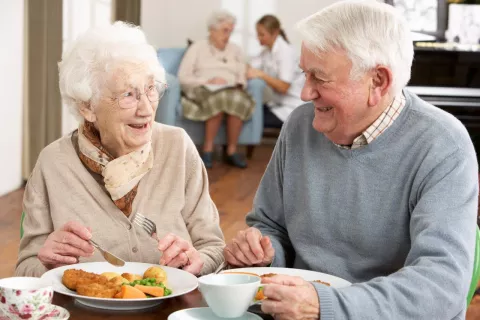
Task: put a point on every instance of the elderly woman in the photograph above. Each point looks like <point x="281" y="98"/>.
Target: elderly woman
<point x="213" y="79"/>
<point x="91" y="183"/>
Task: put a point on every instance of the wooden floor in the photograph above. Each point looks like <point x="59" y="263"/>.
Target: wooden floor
<point x="232" y="191"/>
<point x="10" y="213"/>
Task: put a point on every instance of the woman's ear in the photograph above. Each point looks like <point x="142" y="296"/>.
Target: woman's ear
<point x="86" y="111"/>
<point x="381" y="82"/>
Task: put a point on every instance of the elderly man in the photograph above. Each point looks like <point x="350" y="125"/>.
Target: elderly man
<point x="367" y="182"/>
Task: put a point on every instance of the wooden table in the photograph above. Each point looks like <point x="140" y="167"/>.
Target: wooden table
<point x="161" y="312"/>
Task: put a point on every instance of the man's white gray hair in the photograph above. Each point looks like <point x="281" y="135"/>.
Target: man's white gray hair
<point x="219" y="17"/>
<point x="95" y="53"/>
<point x="371" y="33"/>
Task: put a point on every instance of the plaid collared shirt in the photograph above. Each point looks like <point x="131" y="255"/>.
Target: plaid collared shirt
<point x="381" y="124"/>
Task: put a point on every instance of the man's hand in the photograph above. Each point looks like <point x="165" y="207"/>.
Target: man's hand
<point x="290" y="298"/>
<point x="66" y="245"/>
<point x="249" y="248"/>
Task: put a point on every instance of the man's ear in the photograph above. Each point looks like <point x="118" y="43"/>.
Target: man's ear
<point x="86" y="110"/>
<point x="381" y="82"/>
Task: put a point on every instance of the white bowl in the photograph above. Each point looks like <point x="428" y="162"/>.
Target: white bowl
<point x="229" y="295"/>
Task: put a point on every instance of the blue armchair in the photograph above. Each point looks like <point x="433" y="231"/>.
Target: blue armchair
<point x="170" y="109"/>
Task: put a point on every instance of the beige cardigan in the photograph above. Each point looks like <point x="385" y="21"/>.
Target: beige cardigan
<point x="174" y="194"/>
<point x="203" y="61"/>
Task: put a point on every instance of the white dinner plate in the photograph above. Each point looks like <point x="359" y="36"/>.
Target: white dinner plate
<point x="206" y="314"/>
<point x="307" y="275"/>
<point x="179" y="281"/>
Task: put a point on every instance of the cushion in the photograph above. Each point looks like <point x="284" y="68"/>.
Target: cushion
<point x="170" y="58"/>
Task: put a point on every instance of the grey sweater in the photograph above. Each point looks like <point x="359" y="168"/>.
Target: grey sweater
<point x="396" y="217"/>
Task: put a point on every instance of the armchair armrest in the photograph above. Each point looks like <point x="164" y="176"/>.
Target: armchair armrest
<point x="255" y="88"/>
<point x="169" y="105"/>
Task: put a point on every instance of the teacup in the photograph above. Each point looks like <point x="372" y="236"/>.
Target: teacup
<point x="25" y="297"/>
<point x="229" y="295"/>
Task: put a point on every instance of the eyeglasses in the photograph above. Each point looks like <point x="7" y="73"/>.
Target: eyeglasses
<point x="154" y="93"/>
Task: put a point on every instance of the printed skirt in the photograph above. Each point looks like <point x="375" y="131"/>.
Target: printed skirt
<point x="201" y="104"/>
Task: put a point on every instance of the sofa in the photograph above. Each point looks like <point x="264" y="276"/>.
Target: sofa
<point x="170" y="109"/>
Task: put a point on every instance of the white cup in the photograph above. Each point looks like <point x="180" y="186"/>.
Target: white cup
<point x="229" y="295"/>
<point x="25" y="297"/>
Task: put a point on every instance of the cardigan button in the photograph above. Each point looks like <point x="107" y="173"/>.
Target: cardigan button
<point x="134" y="249"/>
<point x="129" y="227"/>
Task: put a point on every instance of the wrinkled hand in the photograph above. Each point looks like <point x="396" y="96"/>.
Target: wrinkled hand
<point x="179" y="253"/>
<point x="65" y="246"/>
<point x="254" y="73"/>
<point x="290" y="298"/>
<point x="249" y="248"/>
<point x="217" y="80"/>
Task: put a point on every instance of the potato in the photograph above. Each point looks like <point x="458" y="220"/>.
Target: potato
<point x="157" y="273"/>
<point x="119" y="281"/>
<point x="110" y="275"/>
<point x="131" y="277"/>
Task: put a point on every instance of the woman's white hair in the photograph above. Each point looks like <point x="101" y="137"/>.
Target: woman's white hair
<point x="93" y="55"/>
<point x="219" y="17"/>
<point x="370" y="32"/>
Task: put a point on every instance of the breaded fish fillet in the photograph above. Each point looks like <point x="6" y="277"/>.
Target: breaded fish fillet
<point x="72" y="278"/>
<point x="97" y="290"/>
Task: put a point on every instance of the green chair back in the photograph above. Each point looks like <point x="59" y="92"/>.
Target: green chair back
<point x="21" y="224"/>
<point x="476" y="269"/>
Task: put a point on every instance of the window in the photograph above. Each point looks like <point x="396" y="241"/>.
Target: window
<point x="247" y="13"/>
<point x="78" y="16"/>
<point x="426" y="16"/>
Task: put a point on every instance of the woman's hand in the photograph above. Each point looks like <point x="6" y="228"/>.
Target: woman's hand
<point x="179" y="253"/>
<point x="254" y="73"/>
<point x="217" y="80"/>
<point x="65" y="246"/>
<point x="249" y="248"/>
<point x="290" y="298"/>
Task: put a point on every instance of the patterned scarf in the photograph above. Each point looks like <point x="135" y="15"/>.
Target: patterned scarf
<point x="121" y="175"/>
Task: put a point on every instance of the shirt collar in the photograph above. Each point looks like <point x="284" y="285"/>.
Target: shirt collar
<point x="382" y="123"/>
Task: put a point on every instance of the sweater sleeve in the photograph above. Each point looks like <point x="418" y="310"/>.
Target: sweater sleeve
<point x="434" y="281"/>
<point x="200" y="213"/>
<point x="267" y="214"/>
<point x="186" y="72"/>
<point x="36" y="224"/>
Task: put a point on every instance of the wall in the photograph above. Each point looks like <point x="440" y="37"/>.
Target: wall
<point x="11" y="94"/>
<point x="290" y="12"/>
<point x="169" y="23"/>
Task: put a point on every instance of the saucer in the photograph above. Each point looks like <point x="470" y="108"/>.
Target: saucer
<point x="56" y="312"/>
<point x="206" y="314"/>
<point x="51" y="311"/>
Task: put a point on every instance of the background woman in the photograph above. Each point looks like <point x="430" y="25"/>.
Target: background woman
<point x="277" y="65"/>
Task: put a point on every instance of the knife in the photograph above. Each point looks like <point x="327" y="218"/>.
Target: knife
<point x="110" y="257"/>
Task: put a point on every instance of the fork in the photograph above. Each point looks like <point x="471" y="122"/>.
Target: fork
<point x="110" y="257"/>
<point x="147" y="225"/>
